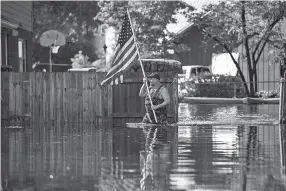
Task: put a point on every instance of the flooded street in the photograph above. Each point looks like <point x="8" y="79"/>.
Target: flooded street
<point x="82" y="157"/>
<point x="228" y="114"/>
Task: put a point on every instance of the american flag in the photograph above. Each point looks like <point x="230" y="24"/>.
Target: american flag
<point x="126" y="54"/>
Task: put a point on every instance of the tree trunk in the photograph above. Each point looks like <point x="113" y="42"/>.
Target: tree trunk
<point x="245" y="85"/>
<point x="247" y="49"/>
<point x="251" y="85"/>
<point x="255" y="80"/>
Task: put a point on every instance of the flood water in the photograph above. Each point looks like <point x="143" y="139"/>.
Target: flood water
<point x="228" y="114"/>
<point x="212" y="154"/>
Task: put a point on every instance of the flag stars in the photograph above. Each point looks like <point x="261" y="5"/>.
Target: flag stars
<point x="126" y="32"/>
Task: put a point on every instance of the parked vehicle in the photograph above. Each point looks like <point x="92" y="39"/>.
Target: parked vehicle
<point x="190" y="72"/>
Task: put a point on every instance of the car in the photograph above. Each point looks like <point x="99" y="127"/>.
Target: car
<point x="189" y="72"/>
<point x="196" y="70"/>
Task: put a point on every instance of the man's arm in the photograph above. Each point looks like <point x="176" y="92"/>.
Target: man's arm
<point x="143" y="91"/>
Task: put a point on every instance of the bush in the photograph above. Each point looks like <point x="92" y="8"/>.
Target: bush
<point x="80" y="61"/>
<point x="214" y="86"/>
<point x="265" y="94"/>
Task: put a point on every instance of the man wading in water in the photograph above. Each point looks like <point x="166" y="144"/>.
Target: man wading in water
<point x="160" y="99"/>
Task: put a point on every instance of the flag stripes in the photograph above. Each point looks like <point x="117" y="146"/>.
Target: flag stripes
<point x="126" y="53"/>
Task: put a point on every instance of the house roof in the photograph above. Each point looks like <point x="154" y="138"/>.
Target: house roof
<point x="8" y="23"/>
<point x="198" y="5"/>
<point x="186" y="28"/>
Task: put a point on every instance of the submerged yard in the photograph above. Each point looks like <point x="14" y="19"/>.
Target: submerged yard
<point x="65" y="129"/>
<point x="206" y="156"/>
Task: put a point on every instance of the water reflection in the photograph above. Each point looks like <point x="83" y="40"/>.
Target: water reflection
<point x="228" y="114"/>
<point x="84" y="157"/>
<point x="52" y="158"/>
<point x="157" y="158"/>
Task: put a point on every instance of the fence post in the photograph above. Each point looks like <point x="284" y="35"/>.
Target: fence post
<point x="282" y="106"/>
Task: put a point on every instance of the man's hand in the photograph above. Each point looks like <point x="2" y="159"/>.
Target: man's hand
<point x="154" y="107"/>
<point x="143" y="90"/>
<point x="145" y="80"/>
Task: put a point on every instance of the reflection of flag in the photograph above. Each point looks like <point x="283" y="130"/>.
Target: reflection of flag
<point x="126" y="53"/>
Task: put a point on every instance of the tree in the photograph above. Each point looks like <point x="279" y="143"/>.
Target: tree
<point x="149" y="20"/>
<point x="76" y="19"/>
<point x="252" y="24"/>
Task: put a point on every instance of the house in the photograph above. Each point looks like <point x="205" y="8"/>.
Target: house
<point x="190" y="48"/>
<point x="16" y="35"/>
<point x="195" y="52"/>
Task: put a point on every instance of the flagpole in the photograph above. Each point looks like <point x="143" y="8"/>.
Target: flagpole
<point x="137" y="50"/>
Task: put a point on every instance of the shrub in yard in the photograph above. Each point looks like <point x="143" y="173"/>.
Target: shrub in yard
<point x="267" y="94"/>
<point x="80" y="61"/>
<point x="215" y="86"/>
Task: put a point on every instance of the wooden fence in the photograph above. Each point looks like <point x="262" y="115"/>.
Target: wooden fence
<point x="54" y="97"/>
<point x="76" y="97"/>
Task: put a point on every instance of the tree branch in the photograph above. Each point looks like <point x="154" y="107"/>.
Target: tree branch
<point x="275" y="45"/>
<point x="271" y="26"/>
<point x="245" y="33"/>
<point x="260" y="52"/>
<point x="233" y="59"/>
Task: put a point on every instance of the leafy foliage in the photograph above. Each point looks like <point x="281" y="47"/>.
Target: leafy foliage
<point x="80" y="60"/>
<point x="76" y="19"/>
<point x="267" y="94"/>
<point x="83" y="21"/>
<point x="252" y="24"/>
<point x="149" y="20"/>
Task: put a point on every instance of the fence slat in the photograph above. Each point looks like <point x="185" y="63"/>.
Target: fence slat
<point x="93" y="98"/>
<point x="38" y="103"/>
<point x="52" y="97"/>
<point x="76" y="97"/>
<point x="89" y="97"/>
<point x="98" y="95"/>
<point x="46" y="99"/>
<point x="32" y="99"/>
<point x="71" y="97"/>
<point x="59" y="114"/>
<point x="16" y="92"/>
<point x="84" y="97"/>
<point x="26" y="92"/>
<point x="19" y="106"/>
<point x="68" y="95"/>
<point x="64" y="95"/>
<point x="79" y="97"/>
<point x="11" y="94"/>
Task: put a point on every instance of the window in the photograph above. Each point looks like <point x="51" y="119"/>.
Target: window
<point x="206" y="70"/>
<point x="193" y="72"/>
<point x="22" y="55"/>
<point x="4" y="48"/>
